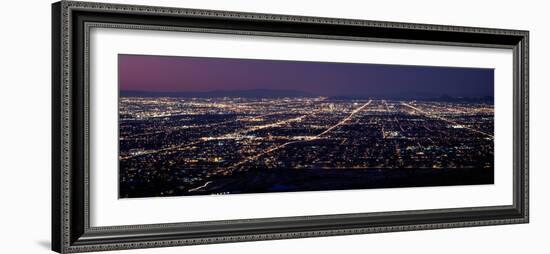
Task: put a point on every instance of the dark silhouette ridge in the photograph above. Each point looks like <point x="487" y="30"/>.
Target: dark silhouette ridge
<point x="271" y="93"/>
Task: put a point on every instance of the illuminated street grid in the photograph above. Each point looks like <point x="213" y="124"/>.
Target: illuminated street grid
<point x="187" y="142"/>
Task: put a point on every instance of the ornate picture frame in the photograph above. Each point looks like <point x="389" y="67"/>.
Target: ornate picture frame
<point x="71" y="229"/>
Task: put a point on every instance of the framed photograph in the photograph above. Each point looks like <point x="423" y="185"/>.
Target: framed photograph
<point x="181" y="126"/>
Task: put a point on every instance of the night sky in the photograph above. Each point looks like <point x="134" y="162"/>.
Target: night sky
<point x="202" y="74"/>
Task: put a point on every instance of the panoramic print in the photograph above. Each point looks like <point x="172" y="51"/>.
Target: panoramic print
<point x="216" y="126"/>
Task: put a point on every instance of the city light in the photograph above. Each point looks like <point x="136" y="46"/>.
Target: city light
<point x="186" y="145"/>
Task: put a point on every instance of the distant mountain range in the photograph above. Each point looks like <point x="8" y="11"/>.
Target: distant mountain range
<point x="442" y="98"/>
<point x="465" y="99"/>
<point x="254" y="93"/>
<point x="272" y="93"/>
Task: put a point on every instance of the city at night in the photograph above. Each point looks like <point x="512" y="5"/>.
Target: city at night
<point x="229" y="126"/>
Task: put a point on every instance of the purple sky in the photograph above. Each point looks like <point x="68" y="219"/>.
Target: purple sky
<point x="201" y="74"/>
